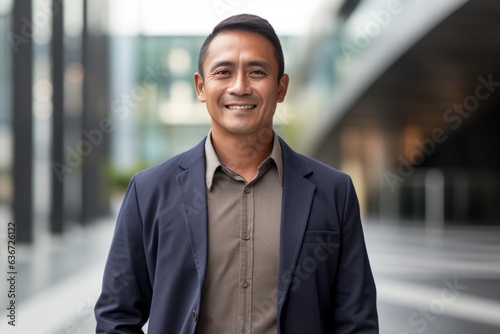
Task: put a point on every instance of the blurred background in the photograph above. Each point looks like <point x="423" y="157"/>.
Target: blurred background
<point x="404" y="95"/>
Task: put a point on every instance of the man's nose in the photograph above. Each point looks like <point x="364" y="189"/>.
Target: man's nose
<point x="240" y="85"/>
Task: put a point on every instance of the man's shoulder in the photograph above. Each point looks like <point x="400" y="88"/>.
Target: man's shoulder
<point x="321" y="167"/>
<point x="326" y="176"/>
<point x="315" y="166"/>
<point x="327" y="179"/>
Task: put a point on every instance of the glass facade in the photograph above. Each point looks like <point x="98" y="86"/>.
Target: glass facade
<point x="386" y="86"/>
<point x="154" y="106"/>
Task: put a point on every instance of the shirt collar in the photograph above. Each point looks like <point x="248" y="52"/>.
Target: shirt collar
<point x="213" y="161"/>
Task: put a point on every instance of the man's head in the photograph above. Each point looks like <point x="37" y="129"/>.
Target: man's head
<point x="241" y="76"/>
<point x="249" y="23"/>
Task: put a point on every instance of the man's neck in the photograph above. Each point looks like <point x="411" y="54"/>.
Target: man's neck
<point x="243" y="154"/>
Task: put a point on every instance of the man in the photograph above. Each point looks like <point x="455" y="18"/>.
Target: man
<point x="239" y="234"/>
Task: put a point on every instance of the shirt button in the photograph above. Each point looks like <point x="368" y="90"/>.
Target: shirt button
<point x="248" y="190"/>
<point x="245" y="284"/>
<point x="195" y="315"/>
<point x="246" y="236"/>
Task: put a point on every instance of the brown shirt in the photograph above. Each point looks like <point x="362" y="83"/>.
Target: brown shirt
<point x="240" y="291"/>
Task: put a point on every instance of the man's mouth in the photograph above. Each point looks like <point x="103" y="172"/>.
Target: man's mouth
<point x="241" y="107"/>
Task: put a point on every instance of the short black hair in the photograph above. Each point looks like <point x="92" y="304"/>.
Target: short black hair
<point x="250" y="23"/>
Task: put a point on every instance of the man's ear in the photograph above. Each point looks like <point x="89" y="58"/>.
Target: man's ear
<point x="282" y="87"/>
<point x="200" y="86"/>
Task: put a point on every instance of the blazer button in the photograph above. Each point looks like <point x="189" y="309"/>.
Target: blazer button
<point x="195" y="315"/>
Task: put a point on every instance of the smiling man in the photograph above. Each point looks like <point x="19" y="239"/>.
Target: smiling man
<point x="240" y="234"/>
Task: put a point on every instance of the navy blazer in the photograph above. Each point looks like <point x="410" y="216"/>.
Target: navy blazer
<point x="157" y="262"/>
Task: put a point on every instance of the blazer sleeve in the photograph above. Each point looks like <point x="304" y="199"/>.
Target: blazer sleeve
<point x="354" y="293"/>
<point x="125" y="299"/>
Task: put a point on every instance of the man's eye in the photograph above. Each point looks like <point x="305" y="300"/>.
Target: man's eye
<point x="258" y="73"/>
<point x="222" y="72"/>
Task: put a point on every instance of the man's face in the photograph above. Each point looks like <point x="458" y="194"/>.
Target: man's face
<point x="240" y="85"/>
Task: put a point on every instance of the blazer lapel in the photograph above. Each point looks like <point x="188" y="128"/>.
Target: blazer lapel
<point x="298" y="193"/>
<point x="192" y="187"/>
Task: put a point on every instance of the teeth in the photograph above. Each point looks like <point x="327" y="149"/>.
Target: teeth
<point x="248" y="106"/>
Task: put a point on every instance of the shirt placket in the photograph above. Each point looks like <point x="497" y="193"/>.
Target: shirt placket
<point x="246" y="260"/>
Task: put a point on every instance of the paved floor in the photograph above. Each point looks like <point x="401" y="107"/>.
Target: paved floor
<point x="428" y="282"/>
<point x="436" y="282"/>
